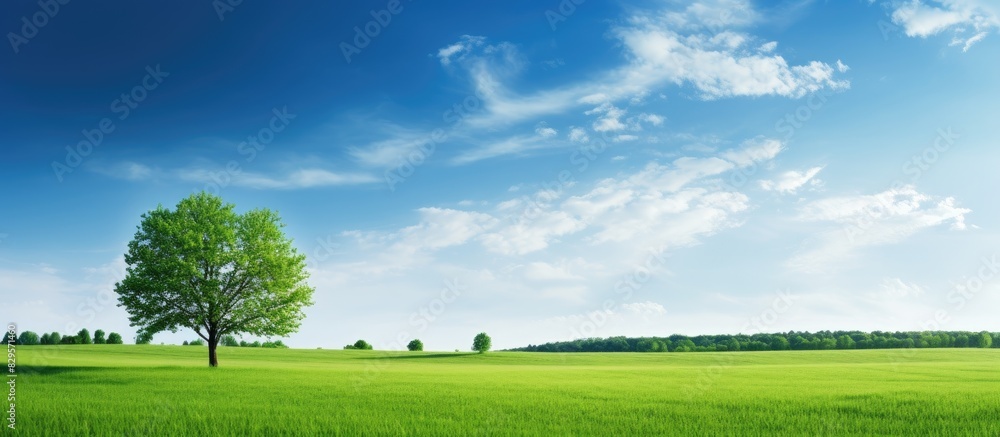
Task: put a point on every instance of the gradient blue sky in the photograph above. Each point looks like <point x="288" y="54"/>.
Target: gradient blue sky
<point x="611" y="168"/>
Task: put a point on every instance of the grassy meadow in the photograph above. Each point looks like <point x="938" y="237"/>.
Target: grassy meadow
<point x="169" y="390"/>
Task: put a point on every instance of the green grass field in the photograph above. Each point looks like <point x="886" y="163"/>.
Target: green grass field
<point x="169" y="390"/>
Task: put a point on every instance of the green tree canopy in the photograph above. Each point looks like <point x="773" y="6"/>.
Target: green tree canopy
<point x="114" y="338"/>
<point x="99" y="337"/>
<point x="28" y="338"/>
<point x="415" y="345"/>
<point x="142" y="337"/>
<point x="482" y="343"/>
<point x="83" y="337"/>
<point x="363" y="345"/>
<point x="204" y="267"/>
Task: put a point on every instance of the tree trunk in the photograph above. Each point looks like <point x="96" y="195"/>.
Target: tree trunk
<point x="213" y="343"/>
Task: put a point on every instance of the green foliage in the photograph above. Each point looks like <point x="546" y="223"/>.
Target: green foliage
<point x="185" y="343"/>
<point x="28" y="338"/>
<point x="229" y="340"/>
<point x="823" y="340"/>
<point x="143" y="337"/>
<point x="362" y="345"/>
<point x="415" y="345"/>
<point x="277" y="344"/>
<point x="204" y="267"/>
<point x="196" y="342"/>
<point x="69" y="339"/>
<point x="99" y="337"/>
<point x="114" y="338"/>
<point x="985" y="339"/>
<point x="46" y="339"/>
<point x="83" y="337"/>
<point x="55" y="338"/>
<point x="482" y="343"/>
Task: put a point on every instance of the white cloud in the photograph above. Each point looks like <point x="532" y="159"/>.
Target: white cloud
<point x="870" y="220"/>
<point x="896" y="287"/>
<point x="610" y="119"/>
<point x="790" y="181"/>
<point x="661" y="204"/>
<point x="754" y="151"/>
<point x="127" y="170"/>
<point x="515" y="145"/>
<point x="546" y="132"/>
<point x="391" y="151"/>
<point x="578" y="135"/>
<point x="968" y="21"/>
<point x="644" y="308"/>
<point x="701" y="46"/>
<point x="302" y="178"/>
<point x="465" y="44"/>
<point x="652" y="119"/>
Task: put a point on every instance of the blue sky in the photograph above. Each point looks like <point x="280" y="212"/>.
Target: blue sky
<point x="536" y="170"/>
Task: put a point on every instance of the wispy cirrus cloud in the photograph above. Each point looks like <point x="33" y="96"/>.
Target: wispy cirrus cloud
<point x="223" y="175"/>
<point x="703" y="47"/>
<point x="790" y="181"/>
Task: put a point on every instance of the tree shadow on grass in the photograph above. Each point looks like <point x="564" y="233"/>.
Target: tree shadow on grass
<point x="23" y="370"/>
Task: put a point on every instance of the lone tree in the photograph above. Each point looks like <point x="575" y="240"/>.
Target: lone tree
<point x="114" y="338"/>
<point x="99" y="337"/>
<point x="415" y="345"/>
<point x="363" y="345"/>
<point x="482" y="343"/>
<point x="203" y="266"/>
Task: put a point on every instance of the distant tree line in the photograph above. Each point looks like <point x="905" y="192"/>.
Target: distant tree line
<point x="792" y="340"/>
<point x="230" y="341"/>
<point x="82" y="337"/>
